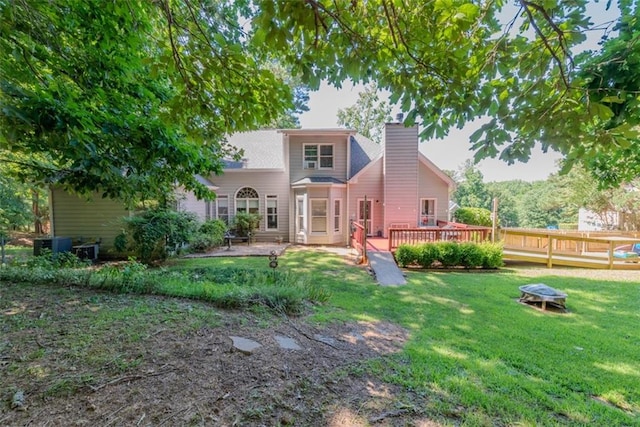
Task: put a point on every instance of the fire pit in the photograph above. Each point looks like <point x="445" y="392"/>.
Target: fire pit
<point x="539" y="292"/>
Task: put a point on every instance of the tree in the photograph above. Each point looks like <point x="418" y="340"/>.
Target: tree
<point x="447" y="62"/>
<point x="129" y="98"/>
<point x="368" y="115"/>
<point x="471" y="191"/>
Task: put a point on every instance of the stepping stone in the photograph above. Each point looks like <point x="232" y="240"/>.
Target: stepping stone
<point x="324" y="339"/>
<point x="287" y="343"/>
<point x="245" y="345"/>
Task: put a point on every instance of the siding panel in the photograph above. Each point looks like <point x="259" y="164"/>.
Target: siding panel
<point x="86" y="220"/>
<point x="401" y="174"/>
<point x="296" y="143"/>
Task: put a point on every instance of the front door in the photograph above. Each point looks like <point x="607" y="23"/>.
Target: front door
<point x="369" y="215"/>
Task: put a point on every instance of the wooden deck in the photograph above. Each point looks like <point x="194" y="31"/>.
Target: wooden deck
<point x="549" y="247"/>
<point x="572" y="249"/>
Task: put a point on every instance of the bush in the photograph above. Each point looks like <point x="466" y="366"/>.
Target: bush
<point x="473" y="216"/>
<point x="450" y="254"/>
<point x="492" y="255"/>
<point x="155" y="234"/>
<point x="428" y="254"/>
<point x="407" y="255"/>
<point x="209" y="235"/>
<point x="471" y="255"/>
<point x="245" y="224"/>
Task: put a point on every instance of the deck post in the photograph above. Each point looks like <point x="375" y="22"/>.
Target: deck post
<point x="611" y="254"/>
<point x="549" y="251"/>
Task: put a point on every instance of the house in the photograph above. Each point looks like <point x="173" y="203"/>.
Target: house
<point x="308" y="184"/>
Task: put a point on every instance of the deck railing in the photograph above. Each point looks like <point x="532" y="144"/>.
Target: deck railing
<point x="569" y="248"/>
<point x="454" y="232"/>
<point x="358" y="238"/>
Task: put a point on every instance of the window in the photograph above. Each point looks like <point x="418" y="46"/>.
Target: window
<point x="247" y="201"/>
<point x="319" y="216"/>
<point x="318" y="156"/>
<point x="301" y="215"/>
<point x="222" y="208"/>
<point x="272" y="212"/>
<point x="337" y="216"/>
<point x="427" y="212"/>
<point x="207" y="210"/>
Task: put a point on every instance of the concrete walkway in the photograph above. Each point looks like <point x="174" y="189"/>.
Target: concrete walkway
<point x="385" y="269"/>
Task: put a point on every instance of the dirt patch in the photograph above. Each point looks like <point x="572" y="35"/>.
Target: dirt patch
<point x="176" y="374"/>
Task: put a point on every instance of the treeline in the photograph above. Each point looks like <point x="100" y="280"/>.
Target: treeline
<point x="554" y="202"/>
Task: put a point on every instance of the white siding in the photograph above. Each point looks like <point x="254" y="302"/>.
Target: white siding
<point x="369" y="184"/>
<point x="400" y="174"/>
<point x="187" y="202"/>
<point x="86" y="220"/>
<point x="265" y="183"/>
<point x="431" y="186"/>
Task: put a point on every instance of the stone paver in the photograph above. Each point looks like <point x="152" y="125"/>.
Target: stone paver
<point x="287" y="343"/>
<point x="245" y="345"/>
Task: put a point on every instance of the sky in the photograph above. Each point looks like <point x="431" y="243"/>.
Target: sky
<point x="451" y="152"/>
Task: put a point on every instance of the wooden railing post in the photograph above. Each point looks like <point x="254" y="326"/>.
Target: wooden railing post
<point x="549" y="251"/>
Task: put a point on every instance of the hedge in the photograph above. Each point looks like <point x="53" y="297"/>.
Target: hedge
<point x="450" y="254"/>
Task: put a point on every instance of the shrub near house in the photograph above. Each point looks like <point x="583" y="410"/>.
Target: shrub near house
<point x="450" y="254"/>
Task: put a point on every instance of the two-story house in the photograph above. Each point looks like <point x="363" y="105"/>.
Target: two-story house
<point x="307" y="184"/>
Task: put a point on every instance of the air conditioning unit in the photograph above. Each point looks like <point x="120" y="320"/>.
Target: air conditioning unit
<point x="310" y="164"/>
<point x="87" y="251"/>
<point x="54" y="244"/>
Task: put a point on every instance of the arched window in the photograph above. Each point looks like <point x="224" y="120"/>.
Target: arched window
<point x="247" y="201"/>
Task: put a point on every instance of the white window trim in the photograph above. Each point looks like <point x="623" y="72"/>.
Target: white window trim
<point x="217" y="215"/>
<point x="326" y="217"/>
<point x="435" y="211"/>
<point x="318" y="157"/>
<point x="370" y="201"/>
<point x="337" y="215"/>
<point x="266" y="212"/>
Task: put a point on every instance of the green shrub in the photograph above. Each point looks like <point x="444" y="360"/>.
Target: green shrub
<point x="473" y="216"/>
<point x="155" y="234"/>
<point x="492" y="255"/>
<point x="449" y="254"/>
<point x="47" y="259"/>
<point x="471" y="255"/>
<point x="407" y="255"/>
<point x="428" y="254"/>
<point x="209" y="235"/>
<point x="245" y="223"/>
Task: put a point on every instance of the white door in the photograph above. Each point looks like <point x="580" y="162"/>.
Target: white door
<point x="368" y="213"/>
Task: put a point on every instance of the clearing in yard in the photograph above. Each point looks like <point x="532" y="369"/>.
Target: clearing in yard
<point x="445" y="349"/>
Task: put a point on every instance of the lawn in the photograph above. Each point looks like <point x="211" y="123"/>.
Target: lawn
<point x="478" y="356"/>
<point x="473" y="356"/>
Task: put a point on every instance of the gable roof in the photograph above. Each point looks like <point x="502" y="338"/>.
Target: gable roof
<point x="363" y="152"/>
<point x="263" y="149"/>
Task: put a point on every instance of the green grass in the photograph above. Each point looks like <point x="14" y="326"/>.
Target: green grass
<point x="478" y="356"/>
<point x="474" y="357"/>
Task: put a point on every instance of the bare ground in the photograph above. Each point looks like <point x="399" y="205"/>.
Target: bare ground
<point x="181" y="372"/>
<point x="177" y="375"/>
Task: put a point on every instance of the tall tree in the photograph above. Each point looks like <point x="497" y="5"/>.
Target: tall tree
<point x="128" y="98"/>
<point x="368" y="115"/>
<point x="447" y="62"/>
<point x="472" y="191"/>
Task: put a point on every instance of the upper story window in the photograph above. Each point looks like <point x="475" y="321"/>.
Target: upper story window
<point x="318" y="156"/>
